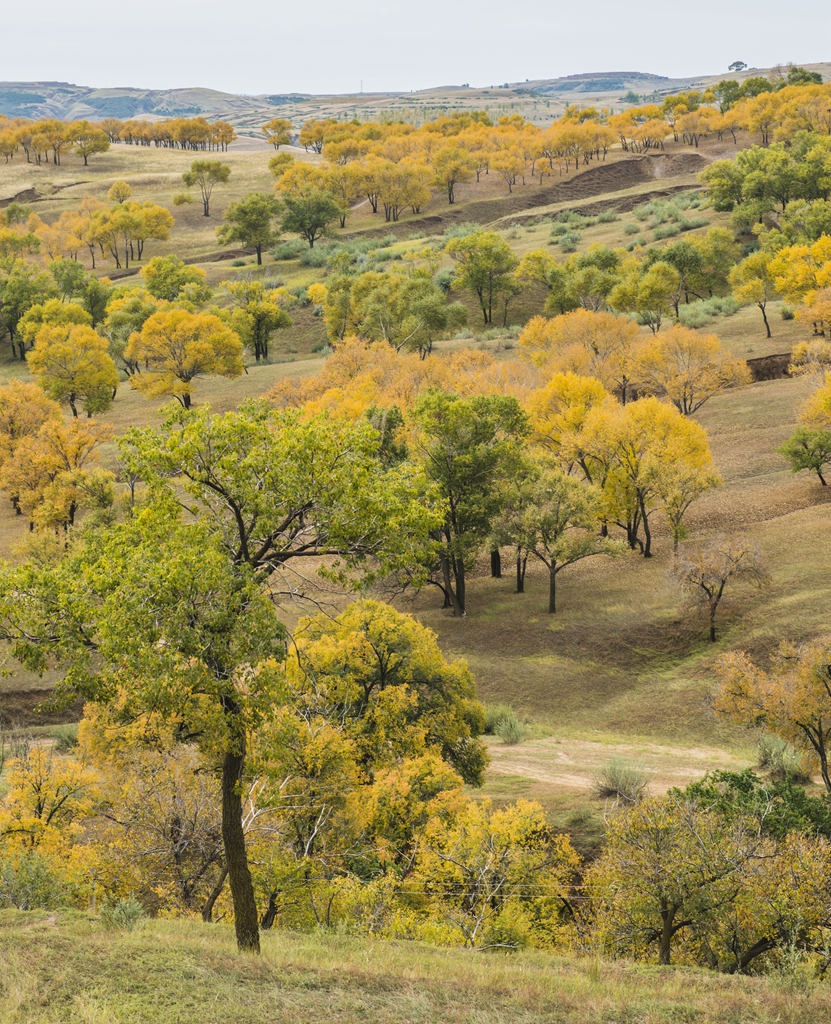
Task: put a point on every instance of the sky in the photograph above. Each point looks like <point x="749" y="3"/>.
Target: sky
<point x="325" y="46"/>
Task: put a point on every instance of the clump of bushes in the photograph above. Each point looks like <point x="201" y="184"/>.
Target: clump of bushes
<point x="459" y="231"/>
<point x="781" y="760"/>
<point x="666" y="231"/>
<point x="702" y="311"/>
<point x="619" y="780"/>
<point x="501" y="720"/>
<point x="31" y="883"/>
<point x="289" y="250"/>
<point x="570" y="241"/>
<point x="66" y="737"/>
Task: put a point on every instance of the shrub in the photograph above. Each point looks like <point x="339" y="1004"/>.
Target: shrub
<point x="692" y="223"/>
<point x="781" y="760"/>
<point x="289" y="250"/>
<point x="701" y="312"/>
<point x="573" y="219"/>
<point x="501" y="720"/>
<point x="559" y="229"/>
<point x="608" y="217"/>
<point x="30" y="883"/>
<point x="631" y="229"/>
<point x="123" y="915"/>
<point x="444" y="280"/>
<point x="66" y="737"/>
<point x="316" y="258"/>
<point x="787" y="313"/>
<point x="635" y="243"/>
<point x="459" y="231"/>
<point x="621" y="781"/>
<point x="237" y="263"/>
<point x="570" y="241"/>
<point x="665" y="231"/>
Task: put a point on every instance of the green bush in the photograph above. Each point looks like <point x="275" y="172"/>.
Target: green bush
<point x="702" y="311"/>
<point x="66" y="737"/>
<point x="123" y="915"/>
<point x="289" y="250"/>
<point x="501" y="720"/>
<point x="237" y="263"/>
<point x="692" y="223"/>
<point x="608" y="217"/>
<point x="30" y="883"/>
<point x="631" y="229"/>
<point x="787" y="313"/>
<point x="665" y="231"/>
<point x="444" y="280"/>
<point x="317" y="258"/>
<point x="570" y="217"/>
<point x="781" y="760"/>
<point x="459" y="231"/>
<point x="570" y="241"/>
<point x="621" y="781"/>
<point x="559" y="229"/>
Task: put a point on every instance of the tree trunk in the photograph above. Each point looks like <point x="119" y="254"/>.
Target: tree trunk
<point x="454" y="585"/>
<point x="647" y="534"/>
<point x="210" y="903"/>
<point x="521" y="565"/>
<point x="259" y="255"/>
<point x="552" y="588"/>
<point x="765" y="318"/>
<point x="233" y="837"/>
<point x="496" y="564"/>
<point x="268" y="918"/>
<point x="665" y="937"/>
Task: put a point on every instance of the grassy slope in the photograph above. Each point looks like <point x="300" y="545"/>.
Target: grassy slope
<point x="61" y="968"/>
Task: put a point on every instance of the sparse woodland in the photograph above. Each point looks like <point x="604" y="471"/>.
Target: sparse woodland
<point x="254" y="603"/>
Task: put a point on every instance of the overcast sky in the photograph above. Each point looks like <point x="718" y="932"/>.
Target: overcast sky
<point x="319" y="46"/>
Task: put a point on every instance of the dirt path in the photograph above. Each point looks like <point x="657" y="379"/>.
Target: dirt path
<point x="563" y="765"/>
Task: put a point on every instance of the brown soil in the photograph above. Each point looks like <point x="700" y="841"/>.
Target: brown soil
<point x="31" y="707"/>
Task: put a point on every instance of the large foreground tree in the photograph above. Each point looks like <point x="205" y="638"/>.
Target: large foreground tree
<point x="170" y="615"/>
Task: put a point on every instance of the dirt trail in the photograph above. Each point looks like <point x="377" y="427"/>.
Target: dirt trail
<point x="558" y="765"/>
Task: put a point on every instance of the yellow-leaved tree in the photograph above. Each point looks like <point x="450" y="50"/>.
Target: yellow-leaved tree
<point x="175" y="347"/>
<point x="688" y="367"/>
<point x="588" y="343"/>
<point x="73" y="364"/>
<point x="792" y="699"/>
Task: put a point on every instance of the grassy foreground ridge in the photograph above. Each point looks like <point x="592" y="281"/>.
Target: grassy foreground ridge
<point x="68" y="967"/>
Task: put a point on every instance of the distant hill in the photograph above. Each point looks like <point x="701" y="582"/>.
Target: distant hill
<point x="67" y="101"/>
<point x="541" y="100"/>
